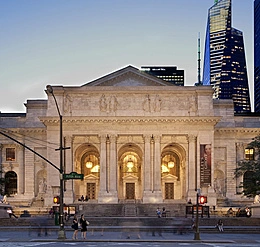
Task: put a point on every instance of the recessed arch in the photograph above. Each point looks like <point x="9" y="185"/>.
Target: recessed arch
<point x="10" y="183"/>
<point x="130" y="172"/>
<point x="173" y="171"/>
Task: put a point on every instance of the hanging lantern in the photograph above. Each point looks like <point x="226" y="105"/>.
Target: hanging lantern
<point x="171" y="164"/>
<point x="89" y="163"/>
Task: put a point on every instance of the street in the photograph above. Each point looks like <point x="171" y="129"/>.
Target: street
<point x="108" y="244"/>
<point x="18" y="237"/>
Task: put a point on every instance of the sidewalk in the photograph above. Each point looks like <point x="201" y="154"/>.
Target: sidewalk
<point x="50" y="235"/>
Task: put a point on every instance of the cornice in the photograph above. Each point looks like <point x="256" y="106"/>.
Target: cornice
<point x="120" y="120"/>
<point x="238" y="130"/>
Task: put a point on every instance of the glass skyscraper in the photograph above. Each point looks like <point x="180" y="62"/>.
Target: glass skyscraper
<point x="224" y="58"/>
<point x="257" y="55"/>
<point x="167" y="73"/>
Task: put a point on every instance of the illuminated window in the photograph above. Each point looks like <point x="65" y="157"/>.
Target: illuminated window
<point x="10" y="154"/>
<point x="249" y="154"/>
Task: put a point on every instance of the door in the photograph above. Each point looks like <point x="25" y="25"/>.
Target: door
<point x="91" y="190"/>
<point x="130" y="190"/>
<point x="169" y="190"/>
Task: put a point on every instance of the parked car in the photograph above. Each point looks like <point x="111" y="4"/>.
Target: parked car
<point x="244" y="212"/>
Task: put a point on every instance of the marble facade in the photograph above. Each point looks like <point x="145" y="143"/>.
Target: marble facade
<point x="130" y="126"/>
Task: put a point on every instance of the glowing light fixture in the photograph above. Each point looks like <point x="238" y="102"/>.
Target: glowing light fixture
<point x="171" y="164"/>
<point x="89" y="163"/>
<point x="130" y="164"/>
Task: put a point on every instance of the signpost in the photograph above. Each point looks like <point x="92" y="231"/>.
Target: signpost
<point x="73" y="175"/>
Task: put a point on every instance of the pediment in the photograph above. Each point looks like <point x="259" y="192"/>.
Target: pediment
<point x="128" y="76"/>
<point x="130" y="177"/>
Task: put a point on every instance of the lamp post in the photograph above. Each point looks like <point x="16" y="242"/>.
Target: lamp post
<point x="61" y="234"/>
<point x="197" y="232"/>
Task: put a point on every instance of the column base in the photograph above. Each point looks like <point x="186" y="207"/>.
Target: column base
<point x="152" y="197"/>
<point x="108" y="197"/>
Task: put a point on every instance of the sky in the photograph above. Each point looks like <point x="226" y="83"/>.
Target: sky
<point x="72" y="42"/>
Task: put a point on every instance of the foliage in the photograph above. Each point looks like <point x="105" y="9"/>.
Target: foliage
<point x="250" y="170"/>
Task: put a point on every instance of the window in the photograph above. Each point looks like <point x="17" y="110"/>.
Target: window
<point x="10" y="154"/>
<point x="249" y="154"/>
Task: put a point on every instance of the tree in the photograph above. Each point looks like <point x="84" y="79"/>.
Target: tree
<point x="250" y="170"/>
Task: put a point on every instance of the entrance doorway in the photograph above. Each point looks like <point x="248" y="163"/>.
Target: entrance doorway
<point x="130" y="191"/>
<point x="91" y="190"/>
<point x="169" y="190"/>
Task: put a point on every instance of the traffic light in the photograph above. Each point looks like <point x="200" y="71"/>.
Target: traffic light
<point x="56" y="199"/>
<point x="202" y="199"/>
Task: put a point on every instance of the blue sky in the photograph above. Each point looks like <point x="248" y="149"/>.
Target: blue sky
<point x="71" y="42"/>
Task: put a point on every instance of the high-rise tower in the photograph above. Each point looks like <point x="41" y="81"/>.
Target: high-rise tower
<point x="257" y="55"/>
<point x="224" y="59"/>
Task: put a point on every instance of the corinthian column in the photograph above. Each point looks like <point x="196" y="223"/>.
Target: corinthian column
<point x="157" y="163"/>
<point x="108" y="170"/>
<point x="240" y="149"/>
<point x="113" y="165"/>
<point x="156" y="195"/>
<point x="192" y="171"/>
<point x="147" y="163"/>
<point x="103" y="164"/>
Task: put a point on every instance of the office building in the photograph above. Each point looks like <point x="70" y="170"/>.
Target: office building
<point x="224" y="59"/>
<point x="167" y="73"/>
<point x="257" y="55"/>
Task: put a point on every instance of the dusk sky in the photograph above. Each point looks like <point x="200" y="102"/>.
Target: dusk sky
<point x="72" y="42"/>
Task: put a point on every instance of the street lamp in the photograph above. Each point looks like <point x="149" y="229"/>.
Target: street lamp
<point x="61" y="234"/>
<point x="197" y="232"/>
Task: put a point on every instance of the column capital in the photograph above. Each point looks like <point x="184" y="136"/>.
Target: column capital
<point x="157" y="138"/>
<point x="191" y="138"/>
<point x="240" y="145"/>
<point x="69" y="138"/>
<point x="147" y="138"/>
<point x="103" y="138"/>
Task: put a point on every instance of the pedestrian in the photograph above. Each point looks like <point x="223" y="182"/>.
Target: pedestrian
<point x="75" y="226"/>
<point x="10" y="212"/>
<point x="220" y="225"/>
<point x="158" y="212"/>
<point x="82" y="198"/>
<point x="164" y="212"/>
<point x="84" y="223"/>
<point x="51" y="213"/>
<point x="230" y="212"/>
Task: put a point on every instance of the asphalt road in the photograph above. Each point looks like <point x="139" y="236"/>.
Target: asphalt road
<point x="126" y="238"/>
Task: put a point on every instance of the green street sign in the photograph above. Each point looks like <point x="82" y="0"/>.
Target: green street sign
<point x="73" y="175"/>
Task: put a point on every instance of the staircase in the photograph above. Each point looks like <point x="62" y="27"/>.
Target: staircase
<point x="130" y="210"/>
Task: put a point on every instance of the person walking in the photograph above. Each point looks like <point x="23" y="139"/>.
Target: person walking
<point x="84" y="223"/>
<point x="75" y="226"/>
<point x="220" y="225"/>
<point x="10" y="212"/>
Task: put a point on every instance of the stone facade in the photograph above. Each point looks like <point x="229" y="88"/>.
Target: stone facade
<point x="134" y="137"/>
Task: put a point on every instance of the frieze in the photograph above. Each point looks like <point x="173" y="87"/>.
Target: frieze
<point x="135" y="103"/>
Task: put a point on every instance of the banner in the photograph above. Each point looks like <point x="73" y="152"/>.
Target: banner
<point x="205" y="164"/>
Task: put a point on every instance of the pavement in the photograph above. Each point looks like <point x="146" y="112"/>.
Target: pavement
<point x="50" y="234"/>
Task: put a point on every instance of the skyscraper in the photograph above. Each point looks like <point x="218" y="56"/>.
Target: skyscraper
<point x="167" y="73"/>
<point x="257" y="54"/>
<point x="224" y="59"/>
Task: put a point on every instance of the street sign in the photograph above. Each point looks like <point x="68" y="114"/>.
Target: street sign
<point x="73" y="175"/>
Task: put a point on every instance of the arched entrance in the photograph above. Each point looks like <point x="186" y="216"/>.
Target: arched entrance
<point x="130" y="167"/>
<point x="10" y="183"/>
<point x="88" y="163"/>
<point x="173" y="172"/>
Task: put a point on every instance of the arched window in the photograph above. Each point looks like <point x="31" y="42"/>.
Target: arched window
<point x="10" y="183"/>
